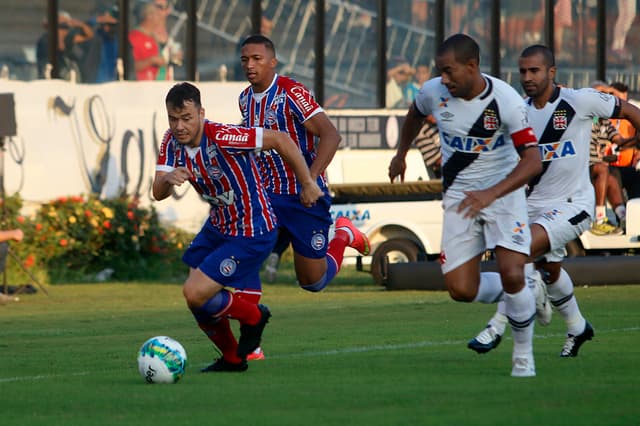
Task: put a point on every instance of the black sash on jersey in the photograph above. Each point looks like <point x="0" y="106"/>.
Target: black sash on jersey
<point x="555" y="128"/>
<point x="461" y="160"/>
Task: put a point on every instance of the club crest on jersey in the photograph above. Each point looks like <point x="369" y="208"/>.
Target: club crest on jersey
<point x="557" y="150"/>
<point x="214" y="172"/>
<point x="443" y="102"/>
<point x="560" y="121"/>
<point x="228" y="267"/>
<point x="318" y="241"/>
<point x="271" y="116"/>
<point x="490" y="120"/>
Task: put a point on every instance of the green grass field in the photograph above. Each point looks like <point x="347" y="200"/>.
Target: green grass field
<point x="354" y="354"/>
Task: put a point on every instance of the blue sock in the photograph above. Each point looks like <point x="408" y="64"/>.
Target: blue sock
<point x="332" y="270"/>
<point x="207" y="312"/>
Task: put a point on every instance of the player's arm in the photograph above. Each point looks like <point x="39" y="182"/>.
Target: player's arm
<point x="412" y="124"/>
<point x="288" y="150"/>
<point x="164" y="181"/>
<point x="329" y="140"/>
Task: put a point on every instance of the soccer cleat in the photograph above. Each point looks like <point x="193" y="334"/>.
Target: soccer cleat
<point x="543" y="305"/>
<point x="271" y="267"/>
<point x="486" y="340"/>
<point x="358" y="240"/>
<point x="605" y="228"/>
<point x="250" y="335"/>
<point x="222" y="366"/>
<point x="573" y="343"/>
<point x="256" y="355"/>
<point x="523" y="366"/>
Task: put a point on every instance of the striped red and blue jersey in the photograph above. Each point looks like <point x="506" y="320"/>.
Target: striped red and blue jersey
<point x="226" y="175"/>
<point x="284" y="106"/>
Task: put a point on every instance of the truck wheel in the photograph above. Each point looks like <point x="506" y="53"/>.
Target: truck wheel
<point x="574" y="248"/>
<point x="396" y="251"/>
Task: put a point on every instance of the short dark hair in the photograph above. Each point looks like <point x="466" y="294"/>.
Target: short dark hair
<point x="259" y="39"/>
<point x="181" y="93"/>
<point x="463" y="47"/>
<point x="619" y="86"/>
<point x="539" y="49"/>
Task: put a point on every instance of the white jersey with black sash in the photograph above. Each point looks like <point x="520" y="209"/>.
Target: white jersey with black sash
<point x="479" y="138"/>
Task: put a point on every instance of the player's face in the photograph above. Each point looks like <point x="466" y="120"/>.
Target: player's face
<point x="535" y="77"/>
<point x="259" y="65"/>
<point x="456" y="76"/>
<point x="186" y="123"/>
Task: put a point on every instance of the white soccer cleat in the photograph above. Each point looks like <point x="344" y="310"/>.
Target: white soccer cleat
<point x="543" y="304"/>
<point x="523" y="366"/>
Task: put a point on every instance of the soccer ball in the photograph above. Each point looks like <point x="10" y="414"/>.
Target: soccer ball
<point x="162" y="359"/>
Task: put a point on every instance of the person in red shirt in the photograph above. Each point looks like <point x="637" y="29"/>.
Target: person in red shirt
<point x="149" y="64"/>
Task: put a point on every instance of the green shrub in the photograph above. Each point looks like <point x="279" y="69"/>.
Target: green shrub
<point x="83" y="238"/>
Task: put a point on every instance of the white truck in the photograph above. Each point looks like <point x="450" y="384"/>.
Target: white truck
<point x="402" y="220"/>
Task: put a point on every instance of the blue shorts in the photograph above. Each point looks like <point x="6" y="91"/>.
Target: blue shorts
<point x="230" y="261"/>
<point x="307" y="228"/>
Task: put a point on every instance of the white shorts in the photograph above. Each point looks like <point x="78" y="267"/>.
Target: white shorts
<point x="564" y="221"/>
<point x="503" y="223"/>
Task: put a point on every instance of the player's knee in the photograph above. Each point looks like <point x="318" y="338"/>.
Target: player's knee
<point x="460" y="292"/>
<point x="194" y="295"/>
<point x="512" y="279"/>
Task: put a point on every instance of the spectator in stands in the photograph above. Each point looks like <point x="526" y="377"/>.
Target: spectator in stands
<point x="627" y="165"/>
<point x="423" y="73"/>
<point x="71" y="33"/>
<point x="399" y="77"/>
<point x="149" y="63"/>
<point x="100" y="59"/>
<point x="605" y="185"/>
<point x="626" y="15"/>
<point x="170" y="49"/>
<point x="428" y="142"/>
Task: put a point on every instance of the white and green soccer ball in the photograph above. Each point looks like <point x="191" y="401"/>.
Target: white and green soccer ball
<point x="162" y="359"/>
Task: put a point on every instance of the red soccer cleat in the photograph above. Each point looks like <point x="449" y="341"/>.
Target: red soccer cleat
<point x="357" y="240"/>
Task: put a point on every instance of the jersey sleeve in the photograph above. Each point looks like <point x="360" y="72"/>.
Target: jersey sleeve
<point x="422" y="99"/>
<point x="167" y="154"/>
<point x="598" y="104"/>
<point x="233" y="138"/>
<point x="515" y="118"/>
<point x="302" y="102"/>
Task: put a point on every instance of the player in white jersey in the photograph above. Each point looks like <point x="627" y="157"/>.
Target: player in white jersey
<point x="488" y="154"/>
<point x="561" y="199"/>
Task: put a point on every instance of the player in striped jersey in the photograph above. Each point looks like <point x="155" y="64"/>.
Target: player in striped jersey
<point x="218" y="160"/>
<point x="489" y="153"/>
<point x="277" y="102"/>
<point x="560" y="199"/>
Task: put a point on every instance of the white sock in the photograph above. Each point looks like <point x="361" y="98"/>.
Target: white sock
<point x="499" y="319"/>
<point x="521" y="311"/>
<point x="601" y="213"/>
<point x="490" y="288"/>
<point x="561" y="296"/>
<point x="621" y="212"/>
